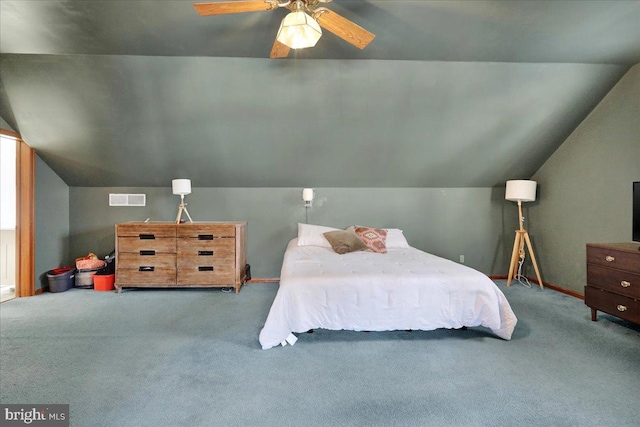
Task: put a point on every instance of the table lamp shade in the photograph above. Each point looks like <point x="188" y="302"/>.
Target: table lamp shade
<point x="181" y="187"/>
<point x="521" y="191"/>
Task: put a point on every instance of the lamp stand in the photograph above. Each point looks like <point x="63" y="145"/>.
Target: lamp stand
<point x="182" y="207"/>
<point x="522" y="237"/>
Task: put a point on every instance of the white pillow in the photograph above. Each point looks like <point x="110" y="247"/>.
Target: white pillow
<point x="311" y="235"/>
<point x="395" y="239"/>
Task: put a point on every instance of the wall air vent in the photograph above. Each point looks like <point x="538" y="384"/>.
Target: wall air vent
<point x="127" y="199"/>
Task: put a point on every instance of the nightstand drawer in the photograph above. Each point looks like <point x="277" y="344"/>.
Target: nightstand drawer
<point x="620" y="282"/>
<point x="136" y="245"/>
<point x="611" y="258"/>
<point x="614" y="304"/>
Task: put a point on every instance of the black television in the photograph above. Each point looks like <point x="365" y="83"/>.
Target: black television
<point x="636" y="211"/>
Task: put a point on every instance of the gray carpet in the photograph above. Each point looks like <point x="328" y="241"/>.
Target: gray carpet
<point x="192" y="358"/>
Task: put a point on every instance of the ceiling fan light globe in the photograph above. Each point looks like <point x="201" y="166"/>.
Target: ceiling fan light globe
<point x="299" y="30"/>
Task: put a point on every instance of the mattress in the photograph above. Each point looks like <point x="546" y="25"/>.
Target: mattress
<point x="405" y="288"/>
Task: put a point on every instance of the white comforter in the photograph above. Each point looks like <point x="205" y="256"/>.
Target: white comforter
<point x="364" y="291"/>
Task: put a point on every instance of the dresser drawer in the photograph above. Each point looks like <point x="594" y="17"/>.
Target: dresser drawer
<point x="203" y="231"/>
<point x="218" y="247"/>
<point x="617" y="281"/>
<point x="146" y="230"/>
<point x="133" y="260"/>
<point x="612" y="258"/>
<point x="221" y="263"/>
<point x="136" y="244"/>
<point x="193" y="272"/>
<point x="146" y="276"/>
<point x="614" y="304"/>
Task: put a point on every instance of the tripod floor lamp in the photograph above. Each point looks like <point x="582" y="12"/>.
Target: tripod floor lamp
<point x="521" y="191"/>
<point x="181" y="187"/>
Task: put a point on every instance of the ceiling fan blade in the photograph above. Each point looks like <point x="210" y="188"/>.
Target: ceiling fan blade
<point x="343" y="28"/>
<point x="226" y="7"/>
<point x="279" y="50"/>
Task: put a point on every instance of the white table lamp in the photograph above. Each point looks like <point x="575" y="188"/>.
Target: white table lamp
<point x="181" y="187"/>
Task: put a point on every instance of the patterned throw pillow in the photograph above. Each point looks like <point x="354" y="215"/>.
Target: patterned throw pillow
<point x="374" y="238"/>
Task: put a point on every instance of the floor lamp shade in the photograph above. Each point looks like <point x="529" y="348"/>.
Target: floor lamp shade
<point x="181" y="187"/>
<point x="521" y="191"/>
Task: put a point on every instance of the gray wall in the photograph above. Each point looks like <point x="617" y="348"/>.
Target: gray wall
<point x="266" y="123"/>
<point x="5" y="125"/>
<point x="445" y="221"/>
<point x="52" y="222"/>
<point x="584" y="196"/>
<point x="585" y="186"/>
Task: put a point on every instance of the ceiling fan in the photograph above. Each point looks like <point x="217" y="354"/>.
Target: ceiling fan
<point x="300" y="28"/>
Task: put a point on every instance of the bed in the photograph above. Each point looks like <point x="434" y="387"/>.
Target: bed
<point x="403" y="289"/>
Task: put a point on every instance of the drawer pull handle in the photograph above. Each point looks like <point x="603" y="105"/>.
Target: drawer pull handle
<point x="206" y="268"/>
<point x="625" y="284"/>
<point x="205" y="236"/>
<point x="147" y="237"/>
<point x="609" y="258"/>
<point x="147" y="253"/>
<point x="622" y="307"/>
<point x="205" y="253"/>
<point x="146" y="268"/>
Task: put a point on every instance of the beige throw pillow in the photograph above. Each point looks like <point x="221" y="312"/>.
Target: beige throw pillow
<point x="345" y="241"/>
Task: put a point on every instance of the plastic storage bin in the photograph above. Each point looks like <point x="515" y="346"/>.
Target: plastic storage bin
<point x="61" y="279"/>
<point x="103" y="282"/>
<point x="84" y="278"/>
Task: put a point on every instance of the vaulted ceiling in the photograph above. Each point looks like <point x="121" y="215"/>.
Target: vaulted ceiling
<point x="448" y="94"/>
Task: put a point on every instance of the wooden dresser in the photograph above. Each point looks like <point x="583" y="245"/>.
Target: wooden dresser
<point x="165" y="254"/>
<point x="613" y="280"/>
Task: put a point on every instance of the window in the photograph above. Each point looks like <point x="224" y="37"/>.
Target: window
<point x="7" y="183"/>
